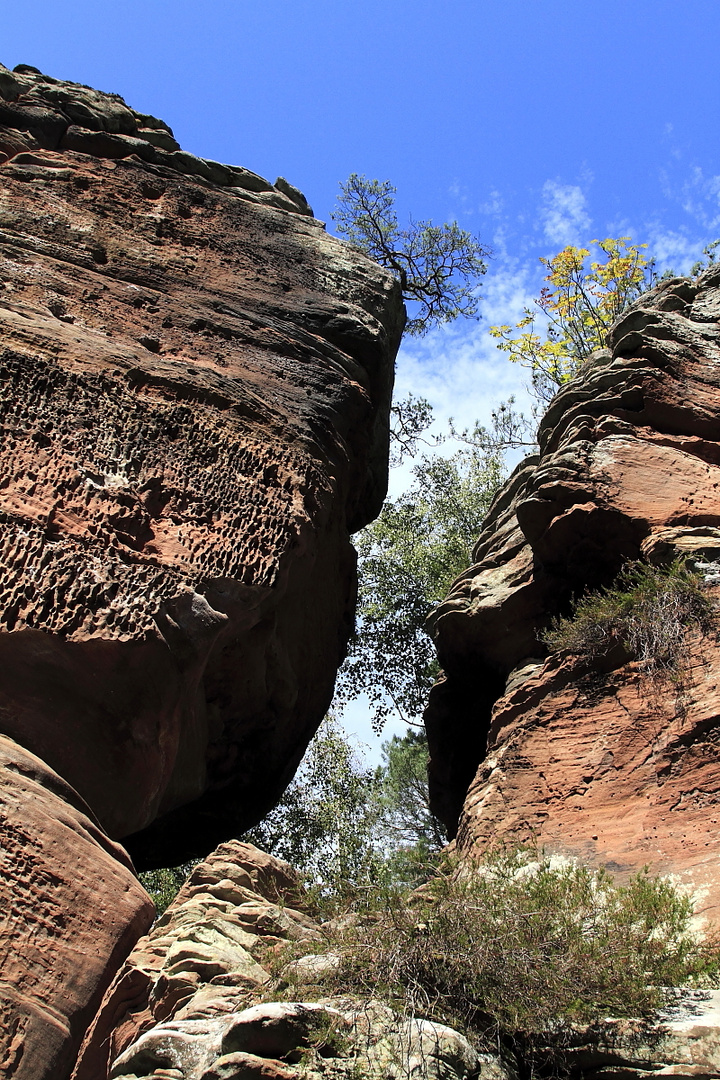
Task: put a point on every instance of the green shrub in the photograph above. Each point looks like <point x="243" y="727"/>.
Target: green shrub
<point x="523" y="945"/>
<point x="648" y="610"/>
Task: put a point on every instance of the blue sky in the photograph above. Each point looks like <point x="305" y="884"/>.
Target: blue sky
<point x="533" y="124"/>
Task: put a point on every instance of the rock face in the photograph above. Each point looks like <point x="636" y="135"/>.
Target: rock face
<point x="72" y="908"/>
<point x="601" y="763"/>
<point x="196" y="385"/>
<point x="188" y="1003"/>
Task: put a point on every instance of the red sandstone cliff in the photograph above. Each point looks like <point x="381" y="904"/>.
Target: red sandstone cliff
<point x="196" y="385"/>
<point x="608" y="766"/>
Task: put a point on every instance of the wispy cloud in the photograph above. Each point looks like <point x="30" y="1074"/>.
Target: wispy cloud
<point x="459" y="368"/>
<point x="696" y="193"/>
<point x="701" y="199"/>
<point x="673" y="250"/>
<point x="493" y="205"/>
<point x="563" y="213"/>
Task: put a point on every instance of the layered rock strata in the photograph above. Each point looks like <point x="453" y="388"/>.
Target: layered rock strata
<point x="210" y="994"/>
<point x="598" y="761"/>
<point x="195" y="999"/>
<point x="196" y="385"/>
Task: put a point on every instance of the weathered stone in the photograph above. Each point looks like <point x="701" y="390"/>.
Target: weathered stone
<point x="198" y="961"/>
<point x="193" y="422"/>
<point x="278" y="1028"/>
<point x="684" y="1042"/>
<point x="601" y="763"/>
<point x="72" y="909"/>
<point x="191" y="1048"/>
<point x="195" y="391"/>
<point x="218" y="1030"/>
<point x="241" y="1066"/>
<point x="281" y="184"/>
<point x="248" y="866"/>
<point x="52" y="114"/>
<point x="160" y="138"/>
<point x="422" y="1049"/>
<point x="308" y="970"/>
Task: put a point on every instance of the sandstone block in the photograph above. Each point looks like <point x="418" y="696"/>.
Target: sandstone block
<point x="72" y="910"/>
<point x="195" y="386"/>
<point x="602" y="764"/>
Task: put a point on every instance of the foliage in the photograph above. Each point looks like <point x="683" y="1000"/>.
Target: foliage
<point x="326" y="819"/>
<point x="410" y="834"/>
<point x="578" y="308"/>
<point x="438" y="266"/>
<point x="524" y="944"/>
<point x="410" y="420"/>
<point x="710" y="258"/>
<point x="164" y="884"/>
<point x="508" y="430"/>
<point x="648" y="610"/>
<point x="346" y="827"/>
<point x="407" y="558"/>
<point x="342" y="825"/>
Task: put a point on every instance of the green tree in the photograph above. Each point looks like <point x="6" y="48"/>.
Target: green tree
<point x="411" y="834"/>
<point x="410" y="421"/>
<point x="164" y="884"/>
<point x="710" y="254"/>
<point x="325" y="823"/>
<point x="345" y="826"/>
<point x="578" y="308"/>
<point x="438" y="266"/>
<point x="407" y="558"/>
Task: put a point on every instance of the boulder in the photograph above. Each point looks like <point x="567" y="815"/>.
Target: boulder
<point x="195" y="385"/>
<point x="195" y="395"/>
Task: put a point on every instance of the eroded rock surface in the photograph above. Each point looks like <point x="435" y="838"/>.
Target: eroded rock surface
<point x="189" y="1004"/>
<point x="683" y="1042"/>
<point x="195" y="388"/>
<point x="606" y="765"/>
<point x="72" y="908"/>
<point x="196" y="384"/>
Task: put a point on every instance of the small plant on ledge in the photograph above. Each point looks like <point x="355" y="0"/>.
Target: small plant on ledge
<point x="648" y="611"/>
<point x="520" y="948"/>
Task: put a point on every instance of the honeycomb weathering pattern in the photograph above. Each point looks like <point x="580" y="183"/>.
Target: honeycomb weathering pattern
<point x="195" y="392"/>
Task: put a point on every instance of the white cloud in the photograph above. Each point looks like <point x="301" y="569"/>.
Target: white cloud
<point x="494" y="205"/>
<point x="673" y="250"/>
<point x="701" y="199"/>
<point x="698" y="196"/>
<point x="563" y="212"/>
<point x="461" y="372"/>
<point x="459" y="368"/>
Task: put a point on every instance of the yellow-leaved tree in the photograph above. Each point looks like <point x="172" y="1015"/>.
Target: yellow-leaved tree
<point x="576" y="309"/>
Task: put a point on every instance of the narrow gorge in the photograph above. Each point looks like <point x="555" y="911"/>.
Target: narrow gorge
<point x="196" y="393"/>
